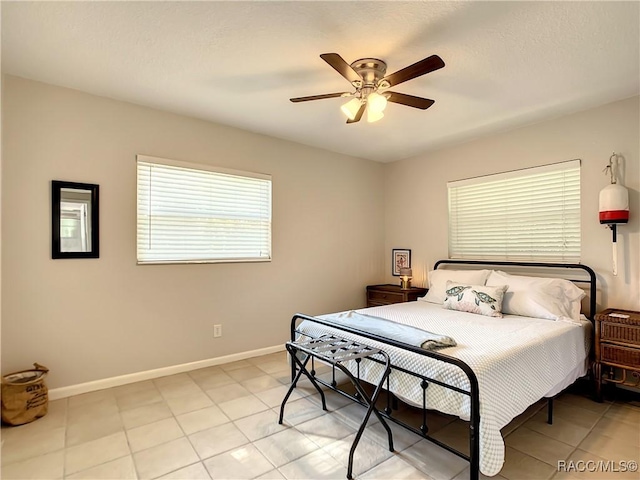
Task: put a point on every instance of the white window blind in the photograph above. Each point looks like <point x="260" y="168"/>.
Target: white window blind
<point x="531" y="214"/>
<point x="194" y="213"/>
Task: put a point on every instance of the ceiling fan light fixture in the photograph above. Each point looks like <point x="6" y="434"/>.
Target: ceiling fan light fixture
<point x="376" y="102"/>
<point x="373" y="115"/>
<point x="350" y="109"/>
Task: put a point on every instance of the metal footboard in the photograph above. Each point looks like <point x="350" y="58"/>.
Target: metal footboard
<point x="474" y="421"/>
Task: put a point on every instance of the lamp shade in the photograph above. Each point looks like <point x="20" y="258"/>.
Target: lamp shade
<point x="350" y="109"/>
<point x="376" y="102"/>
<point x="405" y="272"/>
<point x="373" y="116"/>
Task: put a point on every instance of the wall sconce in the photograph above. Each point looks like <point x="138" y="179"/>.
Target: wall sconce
<point x="405" y="278"/>
<point x="614" y="205"/>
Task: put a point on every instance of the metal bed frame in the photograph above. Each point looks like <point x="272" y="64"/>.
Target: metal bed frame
<point x="473" y="393"/>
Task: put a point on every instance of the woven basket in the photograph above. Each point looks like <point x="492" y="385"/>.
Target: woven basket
<point x="620" y="333"/>
<point x="620" y="355"/>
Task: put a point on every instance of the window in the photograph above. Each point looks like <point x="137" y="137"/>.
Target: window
<point x="198" y="214"/>
<point x="531" y="214"/>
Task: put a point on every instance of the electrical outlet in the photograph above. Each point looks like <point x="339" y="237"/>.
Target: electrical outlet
<point x="217" y="331"/>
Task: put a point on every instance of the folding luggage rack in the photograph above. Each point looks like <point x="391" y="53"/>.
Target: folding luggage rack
<point x="335" y="351"/>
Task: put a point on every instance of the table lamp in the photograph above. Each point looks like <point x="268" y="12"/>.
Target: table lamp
<point x="405" y="278"/>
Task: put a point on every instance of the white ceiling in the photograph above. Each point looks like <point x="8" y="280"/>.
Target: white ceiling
<point x="237" y="63"/>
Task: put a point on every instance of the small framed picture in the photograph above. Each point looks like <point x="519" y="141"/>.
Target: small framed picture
<point x="401" y="259"/>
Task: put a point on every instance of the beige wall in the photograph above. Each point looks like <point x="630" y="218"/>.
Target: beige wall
<point x="418" y="219"/>
<point x="92" y="319"/>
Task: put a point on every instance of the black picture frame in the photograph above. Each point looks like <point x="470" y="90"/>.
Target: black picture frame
<point x="400" y="258"/>
<point x="92" y="214"/>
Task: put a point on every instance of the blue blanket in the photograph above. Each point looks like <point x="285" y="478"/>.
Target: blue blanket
<point x="392" y="330"/>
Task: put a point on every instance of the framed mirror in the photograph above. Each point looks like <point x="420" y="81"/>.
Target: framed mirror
<point x="74" y="220"/>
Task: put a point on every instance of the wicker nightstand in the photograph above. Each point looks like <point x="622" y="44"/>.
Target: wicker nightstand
<point x="388" y="294"/>
<point x="617" y="344"/>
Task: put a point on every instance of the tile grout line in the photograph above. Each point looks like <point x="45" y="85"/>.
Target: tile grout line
<point x="592" y="428"/>
<point x="66" y="424"/>
<point x="66" y="447"/>
<point x="573" y="447"/>
<point x="173" y="415"/>
<point x="201" y="460"/>
<point x="577" y="447"/>
<point x="131" y="452"/>
<point x="133" y="460"/>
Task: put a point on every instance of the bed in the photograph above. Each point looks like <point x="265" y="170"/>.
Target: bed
<point x="499" y="367"/>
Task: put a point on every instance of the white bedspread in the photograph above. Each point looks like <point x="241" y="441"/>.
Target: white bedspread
<point x="517" y="361"/>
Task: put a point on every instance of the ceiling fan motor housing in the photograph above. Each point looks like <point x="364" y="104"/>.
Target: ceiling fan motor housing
<point x="372" y="70"/>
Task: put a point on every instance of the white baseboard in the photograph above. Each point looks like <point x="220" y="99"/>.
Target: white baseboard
<point x="63" y="392"/>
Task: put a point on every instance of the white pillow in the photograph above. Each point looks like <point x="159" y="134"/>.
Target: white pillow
<point x="438" y="282"/>
<point x="549" y="298"/>
<point x="478" y="299"/>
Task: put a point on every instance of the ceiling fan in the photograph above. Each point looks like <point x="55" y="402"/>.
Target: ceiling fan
<point x="367" y="75"/>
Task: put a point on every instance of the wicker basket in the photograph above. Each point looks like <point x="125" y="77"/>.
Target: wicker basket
<point x="619" y="338"/>
<point x="619" y="355"/>
<point x="620" y="333"/>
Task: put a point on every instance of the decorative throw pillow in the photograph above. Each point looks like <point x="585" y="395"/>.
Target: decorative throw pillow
<point x="478" y="299"/>
<point x="438" y="282"/>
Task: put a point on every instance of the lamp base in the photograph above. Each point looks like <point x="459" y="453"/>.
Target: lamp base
<point x="405" y="283"/>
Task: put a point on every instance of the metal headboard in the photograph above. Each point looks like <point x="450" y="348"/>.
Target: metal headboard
<point x="572" y="266"/>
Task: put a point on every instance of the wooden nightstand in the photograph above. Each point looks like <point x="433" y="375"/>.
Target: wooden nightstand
<point x="617" y="344"/>
<point x="388" y="294"/>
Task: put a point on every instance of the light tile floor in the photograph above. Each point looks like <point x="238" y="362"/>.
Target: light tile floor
<point x="221" y="423"/>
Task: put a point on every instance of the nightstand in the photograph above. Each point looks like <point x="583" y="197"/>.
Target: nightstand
<point x="617" y="344"/>
<point x="387" y="294"/>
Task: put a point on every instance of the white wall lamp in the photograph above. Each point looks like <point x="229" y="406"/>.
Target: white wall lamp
<point x="614" y="206"/>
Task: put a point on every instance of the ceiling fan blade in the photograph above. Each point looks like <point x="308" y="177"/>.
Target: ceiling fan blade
<point x="316" y="97"/>
<point x="342" y="67"/>
<point x="429" y="64"/>
<point x="358" y="115"/>
<point x="409" y="100"/>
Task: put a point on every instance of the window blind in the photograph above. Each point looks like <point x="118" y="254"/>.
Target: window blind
<point x="193" y="213"/>
<point x="527" y="215"/>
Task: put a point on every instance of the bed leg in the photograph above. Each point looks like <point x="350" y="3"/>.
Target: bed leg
<point x="550" y="410"/>
<point x="474" y="463"/>
<point x="391" y="399"/>
<point x="474" y="431"/>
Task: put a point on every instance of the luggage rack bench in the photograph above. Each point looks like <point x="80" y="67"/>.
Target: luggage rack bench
<point x="334" y="351"/>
